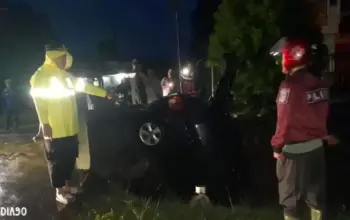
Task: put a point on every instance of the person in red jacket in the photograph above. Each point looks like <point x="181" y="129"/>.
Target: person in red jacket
<point x="302" y="111"/>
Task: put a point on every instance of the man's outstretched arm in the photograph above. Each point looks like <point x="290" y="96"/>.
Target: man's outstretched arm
<point x="81" y="86"/>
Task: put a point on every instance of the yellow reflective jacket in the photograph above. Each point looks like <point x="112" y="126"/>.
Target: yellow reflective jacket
<point x="53" y="91"/>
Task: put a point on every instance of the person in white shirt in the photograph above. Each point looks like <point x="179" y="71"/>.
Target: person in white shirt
<point x="137" y="85"/>
<point x="154" y="84"/>
<point x="169" y="83"/>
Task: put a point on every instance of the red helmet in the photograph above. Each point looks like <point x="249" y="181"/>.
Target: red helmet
<point x="295" y="52"/>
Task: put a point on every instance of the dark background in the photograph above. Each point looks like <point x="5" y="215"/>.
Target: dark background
<point x="143" y="29"/>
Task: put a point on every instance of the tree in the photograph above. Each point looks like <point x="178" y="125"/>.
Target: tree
<point x="247" y="29"/>
<point x="23" y="36"/>
<point x="202" y="23"/>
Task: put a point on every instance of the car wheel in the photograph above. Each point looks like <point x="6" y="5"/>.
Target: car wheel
<point x="150" y="134"/>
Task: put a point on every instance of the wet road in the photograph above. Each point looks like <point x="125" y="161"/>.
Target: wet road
<point x="24" y="181"/>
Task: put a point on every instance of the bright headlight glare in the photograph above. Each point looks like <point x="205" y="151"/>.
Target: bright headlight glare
<point x="185" y="71"/>
<point x="105" y="78"/>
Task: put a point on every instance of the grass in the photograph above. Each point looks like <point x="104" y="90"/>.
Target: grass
<point x="124" y="206"/>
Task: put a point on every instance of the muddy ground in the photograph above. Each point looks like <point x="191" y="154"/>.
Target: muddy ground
<point x="24" y="180"/>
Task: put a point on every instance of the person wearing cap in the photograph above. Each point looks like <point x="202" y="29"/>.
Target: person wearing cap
<point x="53" y="90"/>
<point x="10" y="106"/>
<point x="301" y="131"/>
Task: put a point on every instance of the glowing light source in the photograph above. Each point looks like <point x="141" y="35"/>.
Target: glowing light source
<point x="185" y="71"/>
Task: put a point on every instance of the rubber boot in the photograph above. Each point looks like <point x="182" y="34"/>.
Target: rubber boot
<point x="316" y="214"/>
<point x="286" y="217"/>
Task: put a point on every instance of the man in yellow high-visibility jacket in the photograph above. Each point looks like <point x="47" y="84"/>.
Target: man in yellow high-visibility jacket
<point x="53" y="91"/>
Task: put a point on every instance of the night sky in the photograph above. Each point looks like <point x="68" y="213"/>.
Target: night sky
<point x="145" y="29"/>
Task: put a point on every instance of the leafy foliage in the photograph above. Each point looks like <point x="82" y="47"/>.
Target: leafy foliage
<point x="23" y="36"/>
<point x="247" y="29"/>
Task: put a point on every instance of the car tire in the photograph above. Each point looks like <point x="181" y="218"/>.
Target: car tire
<point x="151" y="134"/>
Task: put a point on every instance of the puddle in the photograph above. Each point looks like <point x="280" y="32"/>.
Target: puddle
<point x="24" y="181"/>
<point x="9" y="175"/>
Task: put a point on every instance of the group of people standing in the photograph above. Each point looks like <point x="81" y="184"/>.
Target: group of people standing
<point x="147" y="88"/>
<point x="298" y="143"/>
<point x="172" y="84"/>
<point x="53" y="90"/>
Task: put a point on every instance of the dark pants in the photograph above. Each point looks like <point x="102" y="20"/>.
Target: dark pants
<point x="302" y="177"/>
<point x="61" y="155"/>
<point x="11" y="118"/>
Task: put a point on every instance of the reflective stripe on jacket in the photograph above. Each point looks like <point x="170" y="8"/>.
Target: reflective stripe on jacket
<point x="53" y="91"/>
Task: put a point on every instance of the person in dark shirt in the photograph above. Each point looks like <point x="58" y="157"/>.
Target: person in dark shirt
<point x="10" y="106"/>
<point x="302" y="112"/>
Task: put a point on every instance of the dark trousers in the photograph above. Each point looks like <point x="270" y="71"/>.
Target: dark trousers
<point x="302" y="177"/>
<point x="11" y="118"/>
<point x="61" y="155"/>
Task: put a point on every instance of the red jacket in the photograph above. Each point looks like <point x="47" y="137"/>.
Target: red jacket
<point x="302" y="110"/>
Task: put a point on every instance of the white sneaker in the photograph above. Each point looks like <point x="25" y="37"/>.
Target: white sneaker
<point x="64" y="198"/>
